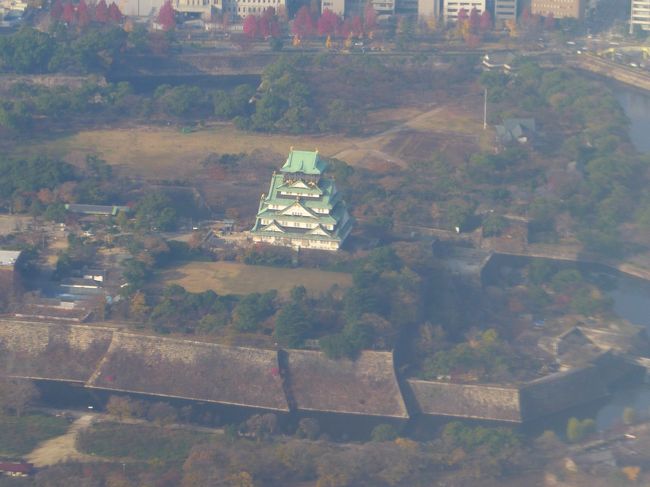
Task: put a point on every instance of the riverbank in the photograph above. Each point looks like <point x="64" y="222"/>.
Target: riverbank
<point x="608" y="69"/>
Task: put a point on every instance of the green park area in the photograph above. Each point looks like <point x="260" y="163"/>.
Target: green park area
<point x="20" y="434"/>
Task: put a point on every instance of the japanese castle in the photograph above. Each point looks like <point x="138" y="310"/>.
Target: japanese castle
<point x="303" y="209"/>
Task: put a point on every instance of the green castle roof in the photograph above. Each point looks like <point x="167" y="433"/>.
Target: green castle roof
<point x="306" y="162"/>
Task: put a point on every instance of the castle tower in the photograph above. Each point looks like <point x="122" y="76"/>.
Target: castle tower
<point x="303" y="209"/>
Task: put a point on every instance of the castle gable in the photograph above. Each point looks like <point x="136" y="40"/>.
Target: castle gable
<point x="296" y="209"/>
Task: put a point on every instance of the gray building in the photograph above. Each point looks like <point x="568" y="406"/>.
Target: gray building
<point x="640" y="14"/>
<point x="428" y="9"/>
<point x="504" y="10"/>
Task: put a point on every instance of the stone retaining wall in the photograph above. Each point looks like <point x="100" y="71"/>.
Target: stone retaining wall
<point x="109" y="359"/>
<point x="467" y="400"/>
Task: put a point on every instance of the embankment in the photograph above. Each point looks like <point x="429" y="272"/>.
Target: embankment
<point x="109" y="359"/>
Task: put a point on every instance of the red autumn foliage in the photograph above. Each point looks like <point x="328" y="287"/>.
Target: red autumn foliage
<point x="329" y="23"/>
<point x="69" y="15"/>
<point x="101" y="12"/>
<point x="485" y="22"/>
<point x="251" y="26"/>
<point x="369" y="17"/>
<point x="114" y="13"/>
<point x="166" y="16"/>
<point x="83" y="14"/>
<point x="474" y="20"/>
<point x="269" y="25"/>
<point x="303" y="25"/>
<point x="57" y="10"/>
<point x="356" y="26"/>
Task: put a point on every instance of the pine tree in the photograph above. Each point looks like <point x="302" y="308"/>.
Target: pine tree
<point x="101" y="12"/>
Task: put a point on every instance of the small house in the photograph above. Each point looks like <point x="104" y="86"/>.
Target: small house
<point x="518" y="130"/>
<point x="16" y="469"/>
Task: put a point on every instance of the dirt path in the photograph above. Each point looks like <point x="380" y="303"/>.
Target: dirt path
<point x="62" y="448"/>
<point x="429" y="121"/>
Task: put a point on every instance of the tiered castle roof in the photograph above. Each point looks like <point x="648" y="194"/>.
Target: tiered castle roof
<point x="302" y="208"/>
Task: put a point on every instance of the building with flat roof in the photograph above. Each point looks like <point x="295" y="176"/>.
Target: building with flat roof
<point x="640" y="15"/>
<point x="559" y="8"/>
<point x="336" y="6"/>
<point x="429" y="9"/>
<point x="98" y="210"/>
<point x="303" y="209"/>
<point x="452" y="7"/>
<point x="504" y="11"/>
<point x="10" y="278"/>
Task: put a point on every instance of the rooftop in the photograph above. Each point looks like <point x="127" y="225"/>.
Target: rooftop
<point x="96" y="209"/>
<point x="9" y="257"/>
<point x="305" y="162"/>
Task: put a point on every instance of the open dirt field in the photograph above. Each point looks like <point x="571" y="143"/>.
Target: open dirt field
<point x="234" y="278"/>
<point x="62" y="448"/>
<point x="12" y="223"/>
<point x="166" y="152"/>
<point x="407" y="133"/>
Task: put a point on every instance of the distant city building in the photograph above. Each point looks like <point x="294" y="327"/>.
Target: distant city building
<point x="406" y="7"/>
<point x="429" y="9"/>
<point x="303" y="209"/>
<point x="385" y="6"/>
<point x="140" y="8"/>
<point x="640" y="14"/>
<point x="505" y="10"/>
<point x="336" y="6"/>
<point x="242" y="8"/>
<point x="10" y="278"/>
<point x="203" y="7"/>
<point x="559" y="8"/>
<point x="452" y="7"/>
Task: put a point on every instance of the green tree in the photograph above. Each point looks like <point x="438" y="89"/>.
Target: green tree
<point x="252" y="310"/>
<point x="27" y="51"/>
<point x="292" y="325"/>
<point x="493" y="225"/>
<point x="577" y="430"/>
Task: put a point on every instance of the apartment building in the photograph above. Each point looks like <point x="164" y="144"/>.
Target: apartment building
<point x="640" y="14"/>
<point x="452" y="7"/>
<point x="559" y="8"/>
<point x="504" y="10"/>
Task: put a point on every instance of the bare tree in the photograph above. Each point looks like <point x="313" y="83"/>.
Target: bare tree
<point x="16" y="395"/>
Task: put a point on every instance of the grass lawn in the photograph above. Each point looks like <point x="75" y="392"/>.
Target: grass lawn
<point x="165" y="152"/>
<point x="19" y="436"/>
<point x="233" y="278"/>
<point x="138" y="442"/>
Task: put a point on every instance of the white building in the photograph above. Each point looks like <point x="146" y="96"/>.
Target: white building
<point x="505" y="10"/>
<point x="203" y="7"/>
<point x="429" y="9"/>
<point x="140" y="8"/>
<point x="242" y="8"/>
<point x="336" y="6"/>
<point x="640" y="14"/>
<point x="452" y="7"/>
